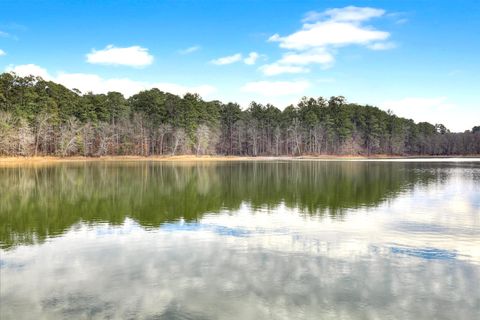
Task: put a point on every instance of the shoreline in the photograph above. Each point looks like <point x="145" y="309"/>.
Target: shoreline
<point x="193" y="158"/>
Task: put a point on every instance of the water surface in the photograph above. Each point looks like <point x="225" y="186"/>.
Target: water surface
<point x="241" y="240"/>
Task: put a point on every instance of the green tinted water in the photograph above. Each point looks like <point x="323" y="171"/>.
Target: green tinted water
<point x="241" y="240"/>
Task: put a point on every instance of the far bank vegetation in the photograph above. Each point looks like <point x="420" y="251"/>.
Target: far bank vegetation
<point x="41" y="118"/>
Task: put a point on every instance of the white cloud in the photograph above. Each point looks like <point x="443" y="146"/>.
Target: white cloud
<point x="203" y="90"/>
<point x="189" y="50"/>
<point x="322" y="32"/>
<point x="330" y="33"/>
<point x="433" y="110"/>
<point x="4" y="34"/>
<point x="418" y="103"/>
<point x="91" y="82"/>
<point x="304" y="58"/>
<point x="252" y="58"/>
<point x="2" y="53"/>
<point x="325" y="80"/>
<point x="276" y="88"/>
<point x="134" y="56"/>
<point x="274" y="69"/>
<point x="382" y="46"/>
<point x="29" y="69"/>
<point x="228" y="59"/>
<point x="350" y="13"/>
<point x="296" y="62"/>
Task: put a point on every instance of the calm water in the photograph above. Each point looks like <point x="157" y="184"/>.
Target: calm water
<point x="246" y="240"/>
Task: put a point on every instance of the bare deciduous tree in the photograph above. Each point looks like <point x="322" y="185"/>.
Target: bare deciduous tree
<point x="69" y="136"/>
<point x="179" y="138"/>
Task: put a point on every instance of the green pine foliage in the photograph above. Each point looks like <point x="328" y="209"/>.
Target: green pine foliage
<point x="39" y="117"/>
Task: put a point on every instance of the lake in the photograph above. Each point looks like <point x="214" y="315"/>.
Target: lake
<point x="241" y="240"/>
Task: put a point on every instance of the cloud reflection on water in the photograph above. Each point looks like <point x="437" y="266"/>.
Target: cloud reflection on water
<point x="208" y="275"/>
<point x="414" y="255"/>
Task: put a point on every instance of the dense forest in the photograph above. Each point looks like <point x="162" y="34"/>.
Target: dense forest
<point x="39" y="117"/>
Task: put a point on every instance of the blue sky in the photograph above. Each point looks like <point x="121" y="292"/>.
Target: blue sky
<point x="418" y="58"/>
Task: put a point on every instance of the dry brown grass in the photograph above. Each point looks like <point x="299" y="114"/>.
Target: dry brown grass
<point x="5" y="161"/>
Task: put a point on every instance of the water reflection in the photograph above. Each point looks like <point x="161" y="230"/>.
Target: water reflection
<point x="39" y="202"/>
<point x="242" y="241"/>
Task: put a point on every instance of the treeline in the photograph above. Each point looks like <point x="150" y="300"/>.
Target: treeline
<point x="39" y="117"/>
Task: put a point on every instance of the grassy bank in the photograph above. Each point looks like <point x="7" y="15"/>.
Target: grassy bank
<point x="191" y="158"/>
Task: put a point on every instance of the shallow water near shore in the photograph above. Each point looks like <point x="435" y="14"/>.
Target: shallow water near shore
<point x="241" y="240"/>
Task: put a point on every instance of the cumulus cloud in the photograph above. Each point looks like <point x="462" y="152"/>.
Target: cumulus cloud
<point x="29" y="69"/>
<point x="278" y="68"/>
<point x="350" y="13"/>
<point x="86" y="82"/>
<point x="204" y="90"/>
<point x="418" y="103"/>
<point x="297" y="62"/>
<point x="433" y="110"/>
<point x="2" y="53"/>
<point x="189" y="50"/>
<point x="322" y="32"/>
<point x="382" y="46"/>
<point x="252" y="58"/>
<point x="307" y="57"/>
<point x="228" y="59"/>
<point x="134" y="56"/>
<point x="329" y="33"/>
<point x="276" y="88"/>
<point x="91" y="82"/>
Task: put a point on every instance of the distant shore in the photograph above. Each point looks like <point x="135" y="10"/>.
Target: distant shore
<point x="193" y="158"/>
